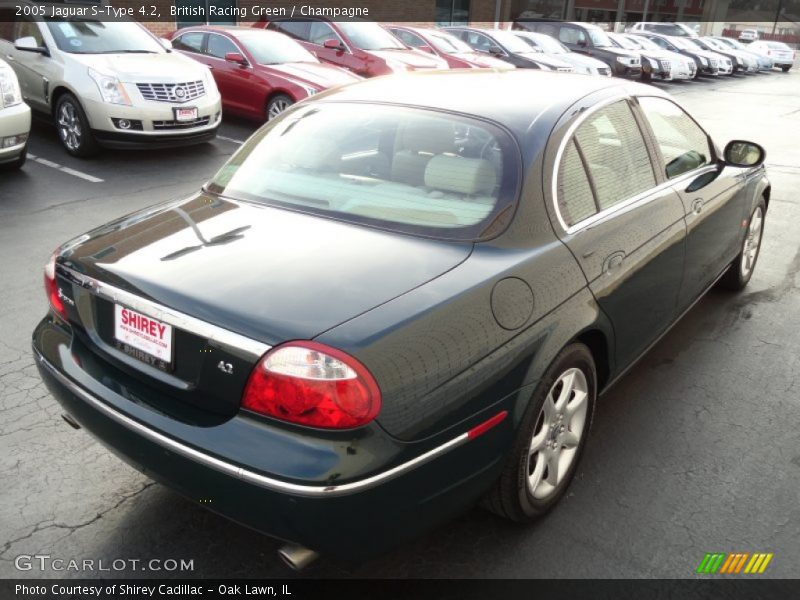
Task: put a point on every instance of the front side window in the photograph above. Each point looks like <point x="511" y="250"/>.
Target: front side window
<point x="684" y="145"/>
<point x="407" y="170"/>
<point x="321" y="32"/>
<point x="615" y="155"/>
<point x="295" y="29"/>
<point x="571" y="35"/>
<point x="370" y="36"/>
<point x="27" y="28"/>
<point x="219" y="46"/>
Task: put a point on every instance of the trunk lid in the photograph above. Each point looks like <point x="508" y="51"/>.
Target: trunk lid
<point x="267" y="274"/>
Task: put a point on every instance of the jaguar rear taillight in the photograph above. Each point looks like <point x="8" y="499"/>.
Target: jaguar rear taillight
<point x="51" y="287"/>
<point x="312" y="384"/>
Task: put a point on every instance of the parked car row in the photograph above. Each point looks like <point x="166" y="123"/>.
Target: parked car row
<point x="115" y="85"/>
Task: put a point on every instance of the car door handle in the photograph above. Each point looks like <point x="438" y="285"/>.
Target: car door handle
<point x="613" y="261"/>
<point x="697" y="206"/>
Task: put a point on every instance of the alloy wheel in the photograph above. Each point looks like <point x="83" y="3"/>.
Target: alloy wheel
<point x="558" y="433"/>
<point x="69" y="126"/>
<point x="752" y="242"/>
<point x="276" y="107"/>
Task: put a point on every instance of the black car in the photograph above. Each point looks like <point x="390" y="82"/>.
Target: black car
<point x="508" y="47"/>
<point x="398" y="298"/>
<point x="587" y="39"/>
<point x="707" y="62"/>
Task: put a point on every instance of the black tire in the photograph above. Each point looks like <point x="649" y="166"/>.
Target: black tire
<point x="17" y="164"/>
<point x="736" y="277"/>
<point x="511" y="497"/>
<point x="786" y="68"/>
<point x="73" y="127"/>
<point x="277" y="104"/>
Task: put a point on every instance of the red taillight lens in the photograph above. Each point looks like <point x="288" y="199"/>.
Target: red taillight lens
<point x="51" y="288"/>
<point x="312" y="384"/>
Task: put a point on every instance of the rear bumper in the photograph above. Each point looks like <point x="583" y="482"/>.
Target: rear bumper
<point x="306" y="504"/>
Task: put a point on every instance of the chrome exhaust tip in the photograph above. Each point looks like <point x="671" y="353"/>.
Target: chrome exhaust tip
<point x="70" y="421"/>
<point x="297" y="557"/>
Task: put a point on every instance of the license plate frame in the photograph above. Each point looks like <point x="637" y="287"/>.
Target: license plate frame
<point x="144" y="338"/>
<point x="185" y="114"/>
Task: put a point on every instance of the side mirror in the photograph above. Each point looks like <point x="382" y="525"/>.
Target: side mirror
<point x="28" y="44"/>
<point x="333" y="44"/>
<point x="739" y="153"/>
<point x="496" y="51"/>
<point x="237" y="58"/>
<point x="166" y="43"/>
<point x="582" y="43"/>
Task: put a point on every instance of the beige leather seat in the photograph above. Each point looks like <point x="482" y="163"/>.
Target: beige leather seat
<point x="416" y="143"/>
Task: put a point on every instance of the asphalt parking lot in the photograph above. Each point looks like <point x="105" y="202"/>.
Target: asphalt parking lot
<point x="696" y="450"/>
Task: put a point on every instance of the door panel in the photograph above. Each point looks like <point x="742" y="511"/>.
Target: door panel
<point x="35" y="71"/>
<point x="625" y="229"/>
<point x="236" y="83"/>
<point x="713" y="199"/>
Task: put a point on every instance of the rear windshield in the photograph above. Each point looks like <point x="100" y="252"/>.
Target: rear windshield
<point x="409" y="170"/>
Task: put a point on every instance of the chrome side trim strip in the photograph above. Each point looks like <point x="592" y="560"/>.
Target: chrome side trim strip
<point x="270" y="483"/>
<point x="213" y="333"/>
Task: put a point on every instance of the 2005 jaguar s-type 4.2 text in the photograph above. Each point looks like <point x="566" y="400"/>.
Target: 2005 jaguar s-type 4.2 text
<point x="398" y="298"/>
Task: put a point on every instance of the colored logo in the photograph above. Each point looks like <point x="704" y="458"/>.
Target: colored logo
<point x="719" y="563"/>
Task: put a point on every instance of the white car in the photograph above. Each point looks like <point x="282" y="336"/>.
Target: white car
<point x="111" y="84"/>
<point x="664" y="28"/>
<point x="15" y="120"/>
<point x="551" y="46"/>
<point x="748" y="35"/>
<point x="782" y="55"/>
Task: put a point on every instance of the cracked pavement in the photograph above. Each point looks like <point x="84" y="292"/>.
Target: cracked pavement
<point x="696" y="450"/>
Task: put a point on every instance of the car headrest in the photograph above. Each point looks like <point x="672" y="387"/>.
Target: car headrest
<point x="460" y="175"/>
<point x="433" y="136"/>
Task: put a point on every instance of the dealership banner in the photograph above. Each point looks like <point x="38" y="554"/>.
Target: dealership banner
<point x="427" y="589"/>
<point x="768" y="14"/>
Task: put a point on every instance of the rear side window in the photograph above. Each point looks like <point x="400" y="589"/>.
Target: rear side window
<point x="189" y="42"/>
<point x="575" y="198"/>
<point x="615" y="154"/>
<point x="408" y="170"/>
<point x="606" y="162"/>
<point x="684" y="145"/>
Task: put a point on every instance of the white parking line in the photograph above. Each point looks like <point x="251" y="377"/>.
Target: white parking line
<point x="232" y="140"/>
<point x="67" y="170"/>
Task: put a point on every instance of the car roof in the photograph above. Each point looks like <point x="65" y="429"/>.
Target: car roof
<point x="513" y="98"/>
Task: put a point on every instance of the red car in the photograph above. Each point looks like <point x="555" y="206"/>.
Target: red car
<point x="446" y="46"/>
<point x="363" y="47"/>
<point x="259" y="73"/>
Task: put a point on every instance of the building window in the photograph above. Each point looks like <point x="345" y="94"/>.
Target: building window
<point x="197" y="12"/>
<point x="452" y="12"/>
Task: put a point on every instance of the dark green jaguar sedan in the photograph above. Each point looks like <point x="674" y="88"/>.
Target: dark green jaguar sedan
<point x="398" y="299"/>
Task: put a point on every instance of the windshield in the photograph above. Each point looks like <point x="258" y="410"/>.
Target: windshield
<point x="599" y="37"/>
<point x="370" y="36"/>
<point x="682" y="43"/>
<point x="625" y="42"/>
<point x="511" y="42"/>
<point x="645" y="43"/>
<point x="107" y="37"/>
<point x="715" y="44"/>
<point x="449" y="44"/>
<point x="408" y="170"/>
<point x="733" y="43"/>
<point x="548" y="44"/>
<point x="273" y="49"/>
<point x="690" y="44"/>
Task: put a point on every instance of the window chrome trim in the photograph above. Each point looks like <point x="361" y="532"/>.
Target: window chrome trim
<point x="253" y="348"/>
<point x="227" y="468"/>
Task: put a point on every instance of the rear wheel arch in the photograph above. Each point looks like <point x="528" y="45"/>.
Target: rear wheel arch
<point x="598" y="344"/>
